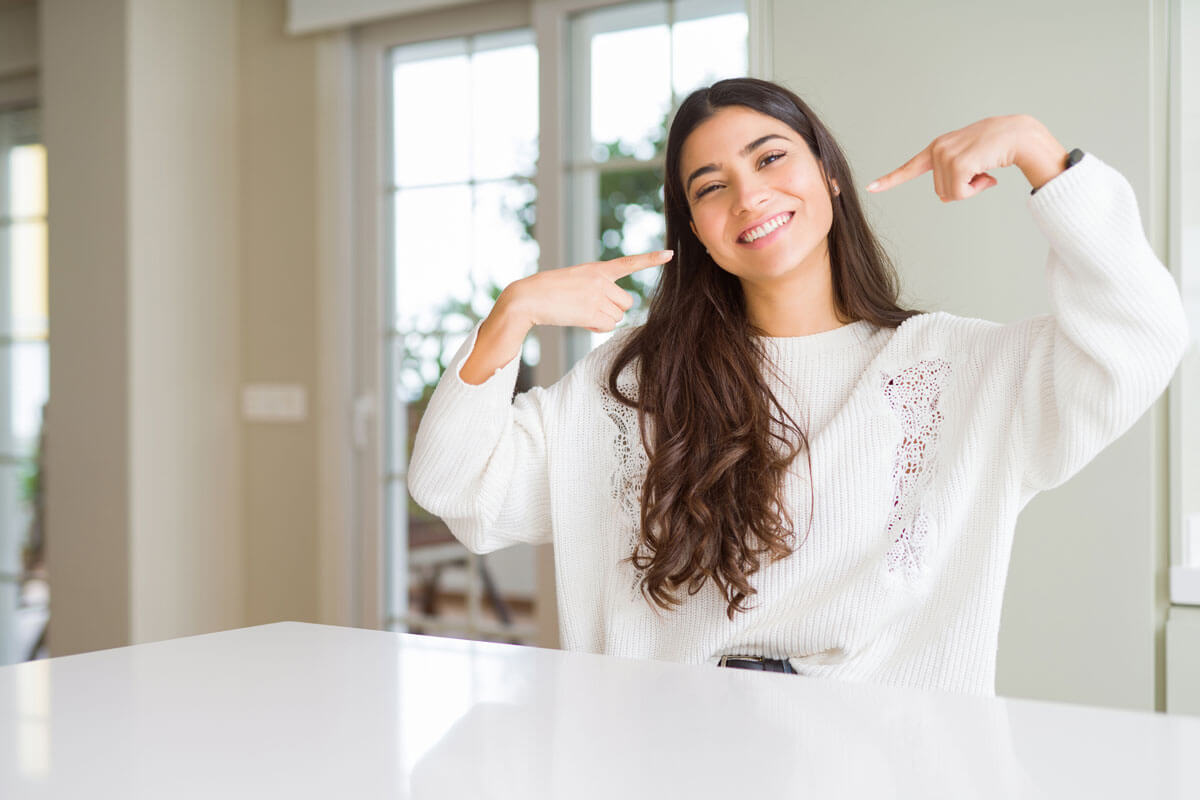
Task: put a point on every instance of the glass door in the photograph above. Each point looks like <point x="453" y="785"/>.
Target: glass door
<point x="462" y="208"/>
<point x="24" y="386"/>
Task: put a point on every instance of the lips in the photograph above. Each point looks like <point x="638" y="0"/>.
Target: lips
<point x="764" y="227"/>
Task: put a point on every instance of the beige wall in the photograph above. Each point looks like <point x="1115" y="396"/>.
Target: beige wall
<point x="1084" y="608"/>
<point x="183" y="317"/>
<point x="18" y="39"/>
<point x="278" y="250"/>
<point x="181" y="137"/>
<point x="143" y="475"/>
<point x="88" y="514"/>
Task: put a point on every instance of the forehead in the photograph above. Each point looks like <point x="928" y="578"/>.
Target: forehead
<point x="720" y="137"/>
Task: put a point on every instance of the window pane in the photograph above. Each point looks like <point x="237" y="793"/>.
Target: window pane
<point x="630" y="90"/>
<point x="456" y="246"/>
<point x="626" y="105"/>
<point x="26" y="196"/>
<point x="23" y="165"/>
<point x="24" y="380"/>
<point x="23" y="263"/>
<point x="504" y="249"/>
<point x="431" y="137"/>
<point x="433" y="253"/>
<point x="504" y="106"/>
<point x="17" y="483"/>
<point x="631" y="221"/>
<point x="26" y="367"/>
<point x="631" y="212"/>
<point x="706" y="50"/>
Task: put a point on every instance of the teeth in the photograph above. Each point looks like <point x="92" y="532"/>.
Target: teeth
<point x="765" y="228"/>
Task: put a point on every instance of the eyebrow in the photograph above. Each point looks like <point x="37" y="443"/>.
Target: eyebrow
<point x="745" y="151"/>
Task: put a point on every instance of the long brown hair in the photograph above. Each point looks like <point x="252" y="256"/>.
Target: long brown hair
<point x="719" y="443"/>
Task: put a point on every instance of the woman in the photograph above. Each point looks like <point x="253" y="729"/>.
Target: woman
<point x="665" y="466"/>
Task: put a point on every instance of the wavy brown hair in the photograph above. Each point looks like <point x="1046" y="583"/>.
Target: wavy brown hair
<point x="719" y="442"/>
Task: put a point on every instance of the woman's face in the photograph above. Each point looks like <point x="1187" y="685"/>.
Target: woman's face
<point x="757" y="196"/>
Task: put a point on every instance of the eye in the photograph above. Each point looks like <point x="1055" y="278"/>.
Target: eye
<point x="770" y="158"/>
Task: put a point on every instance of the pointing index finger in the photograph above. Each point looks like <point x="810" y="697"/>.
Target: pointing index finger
<point x="921" y="163"/>
<point x="627" y="265"/>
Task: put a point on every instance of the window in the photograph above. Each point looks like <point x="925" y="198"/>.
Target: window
<point x="617" y="123"/>
<point x="24" y="383"/>
<point x="456" y="218"/>
<point x="462" y="204"/>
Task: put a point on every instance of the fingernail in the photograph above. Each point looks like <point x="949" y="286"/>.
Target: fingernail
<point x="667" y="253"/>
<point x="872" y="186"/>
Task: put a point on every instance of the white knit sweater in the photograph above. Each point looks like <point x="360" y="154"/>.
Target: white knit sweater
<point x="926" y="442"/>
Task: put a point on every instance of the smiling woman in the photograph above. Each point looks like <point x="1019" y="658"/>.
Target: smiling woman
<point x="665" y="466"/>
<point x="754" y="157"/>
<point x="743" y="210"/>
<point x="752" y="224"/>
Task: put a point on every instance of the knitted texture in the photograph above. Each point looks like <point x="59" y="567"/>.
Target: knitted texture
<point x="926" y="441"/>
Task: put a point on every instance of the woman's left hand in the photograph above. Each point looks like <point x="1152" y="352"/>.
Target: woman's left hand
<point x="960" y="159"/>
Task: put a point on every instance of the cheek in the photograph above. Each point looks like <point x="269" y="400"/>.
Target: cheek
<point x="709" y="228"/>
<point x="817" y="208"/>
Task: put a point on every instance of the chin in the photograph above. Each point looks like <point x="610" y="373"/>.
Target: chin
<point x="774" y="267"/>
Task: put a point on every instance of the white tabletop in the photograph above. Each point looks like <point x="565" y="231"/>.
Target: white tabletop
<point x="294" y="710"/>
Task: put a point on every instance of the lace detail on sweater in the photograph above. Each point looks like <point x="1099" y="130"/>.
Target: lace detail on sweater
<point x="629" y="473"/>
<point x="913" y="395"/>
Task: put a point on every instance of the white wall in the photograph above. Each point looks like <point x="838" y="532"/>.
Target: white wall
<point x="1085" y="608"/>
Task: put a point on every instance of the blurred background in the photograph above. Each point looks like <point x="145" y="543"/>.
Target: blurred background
<point x="240" y="240"/>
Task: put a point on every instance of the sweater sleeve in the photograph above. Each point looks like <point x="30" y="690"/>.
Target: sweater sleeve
<point x="479" y="458"/>
<point x="1116" y="333"/>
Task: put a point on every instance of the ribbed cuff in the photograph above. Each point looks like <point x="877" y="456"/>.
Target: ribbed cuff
<point x="1089" y="214"/>
<point x="1067" y="183"/>
<point x="504" y="378"/>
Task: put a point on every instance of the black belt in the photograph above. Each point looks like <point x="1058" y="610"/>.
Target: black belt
<point x="757" y="662"/>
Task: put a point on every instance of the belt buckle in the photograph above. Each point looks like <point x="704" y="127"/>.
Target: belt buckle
<point x="725" y="659"/>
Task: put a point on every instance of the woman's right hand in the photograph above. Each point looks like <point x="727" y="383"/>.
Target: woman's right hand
<point x="585" y="295"/>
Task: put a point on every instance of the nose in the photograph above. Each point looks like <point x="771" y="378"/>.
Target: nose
<point x="751" y="193"/>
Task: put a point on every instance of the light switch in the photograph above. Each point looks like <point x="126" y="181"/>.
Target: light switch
<point x="274" y="402"/>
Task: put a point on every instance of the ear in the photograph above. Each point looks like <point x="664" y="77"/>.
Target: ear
<point x="834" y="189"/>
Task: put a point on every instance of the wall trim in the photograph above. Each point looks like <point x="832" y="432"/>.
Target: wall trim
<point x="759" y="52"/>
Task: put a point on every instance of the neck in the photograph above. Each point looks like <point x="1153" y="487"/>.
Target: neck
<point x="797" y="303"/>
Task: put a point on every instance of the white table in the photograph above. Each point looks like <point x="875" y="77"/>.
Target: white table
<point x="293" y="710"/>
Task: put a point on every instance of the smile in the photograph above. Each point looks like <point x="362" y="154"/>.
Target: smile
<point x="761" y="233"/>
